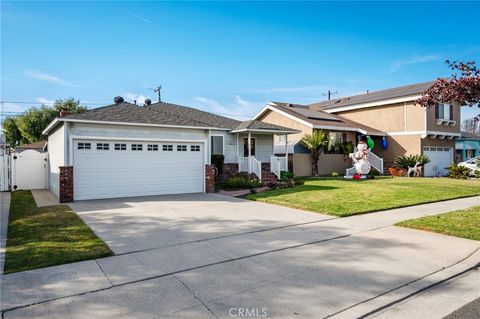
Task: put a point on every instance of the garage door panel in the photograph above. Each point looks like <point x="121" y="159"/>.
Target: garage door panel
<point x="440" y="159"/>
<point x="123" y="173"/>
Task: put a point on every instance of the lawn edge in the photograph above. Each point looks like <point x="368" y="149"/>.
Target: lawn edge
<point x="369" y="211"/>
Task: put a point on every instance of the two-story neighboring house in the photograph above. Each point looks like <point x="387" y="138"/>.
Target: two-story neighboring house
<point x="407" y="127"/>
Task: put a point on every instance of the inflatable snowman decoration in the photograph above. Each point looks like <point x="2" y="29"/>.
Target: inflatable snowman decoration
<point x="360" y="157"/>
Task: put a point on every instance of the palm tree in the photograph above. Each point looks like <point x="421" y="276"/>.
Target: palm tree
<point x="316" y="143"/>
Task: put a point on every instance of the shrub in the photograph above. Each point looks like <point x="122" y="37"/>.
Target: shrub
<point x="335" y="175"/>
<point x="477" y="173"/>
<point x="239" y="180"/>
<point x="286" y="175"/>
<point x="281" y="184"/>
<point x="458" y="171"/>
<point x="218" y="160"/>
<point x="405" y="161"/>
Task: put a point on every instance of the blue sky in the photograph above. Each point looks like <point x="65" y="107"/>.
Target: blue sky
<point x="227" y="57"/>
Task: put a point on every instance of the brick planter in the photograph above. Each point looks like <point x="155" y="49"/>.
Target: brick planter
<point x="66" y="184"/>
<point x="210" y="172"/>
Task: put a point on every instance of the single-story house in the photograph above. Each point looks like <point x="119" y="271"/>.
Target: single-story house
<point x="124" y="150"/>
<point x="467" y="146"/>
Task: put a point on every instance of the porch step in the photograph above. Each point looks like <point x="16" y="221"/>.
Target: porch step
<point x="268" y="177"/>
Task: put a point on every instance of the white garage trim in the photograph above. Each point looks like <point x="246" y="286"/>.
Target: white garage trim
<point x="199" y="163"/>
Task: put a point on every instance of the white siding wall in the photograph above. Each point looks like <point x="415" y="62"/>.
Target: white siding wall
<point x="264" y="146"/>
<point x="56" y="147"/>
<point x="229" y="144"/>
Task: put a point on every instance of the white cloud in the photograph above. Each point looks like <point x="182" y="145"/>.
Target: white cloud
<point x="44" y="100"/>
<point x="416" y="59"/>
<point x="140" y="18"/>
<point x="238" y="108"/>
<point x="140" y="98"/>
<point x="37" y="75"/>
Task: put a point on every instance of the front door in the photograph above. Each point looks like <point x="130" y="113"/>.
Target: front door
<point x="245" y="146"/>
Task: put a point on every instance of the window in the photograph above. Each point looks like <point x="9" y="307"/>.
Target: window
<point x="245" y="146"/>
<point x="137" y="147"/>
<point x="103" y="146"/>
<point x="195" y="148"/>
<point x="282" y="138"/>
<point x="217" y="144"/>
<point x="181" y="148"/>
<point x="120" y="147"/>
<point x="334" y="139"/>
<point x="443" y="112"/>
<point x="167" y="148"/>
<point x="152" y="147"/>
<point x="84" y="146"/>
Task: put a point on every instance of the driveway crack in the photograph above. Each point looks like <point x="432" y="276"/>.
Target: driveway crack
<point x="196" y="297"/>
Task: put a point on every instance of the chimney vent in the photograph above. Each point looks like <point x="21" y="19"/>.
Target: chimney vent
<point x="64" y="113"/>
<point x="118" y="100"/>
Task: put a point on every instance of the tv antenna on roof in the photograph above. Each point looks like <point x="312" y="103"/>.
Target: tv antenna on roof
<point x="158" y="90"/>
<point x="329" y="94"/>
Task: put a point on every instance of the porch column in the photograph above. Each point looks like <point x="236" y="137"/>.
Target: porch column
<point x="249" y="152"/>
<point x="286" y="152"/>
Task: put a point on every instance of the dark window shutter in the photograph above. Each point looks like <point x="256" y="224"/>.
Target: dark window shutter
<point x="344" y="137"/>
<point x="451" y="112"/>
<point x="437" y="107"/>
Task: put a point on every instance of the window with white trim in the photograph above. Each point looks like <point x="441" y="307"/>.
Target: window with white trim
<point x="137" y="147"/>
<point x="181" y="148"/>
<point x="195" y="148"/>
<point x="152" y="147"/>
<point x="444" y="112"/>
<point x="120" y="147"/>
<point x="84" y="146"/>
<point x="217" y="144"/>
<point x="103" y="146"/>
<point x="167" y="147"/>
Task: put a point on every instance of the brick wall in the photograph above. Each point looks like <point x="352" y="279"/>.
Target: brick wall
<point x="210" y="178"/>
<point x="66" y="184"/>
<point x="230" y="168"/>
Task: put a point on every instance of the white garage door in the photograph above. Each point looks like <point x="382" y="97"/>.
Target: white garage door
<point x="107" y="169"/>
<point x="440" y="157"/>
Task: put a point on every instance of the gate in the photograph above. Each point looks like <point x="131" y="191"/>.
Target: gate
<point x="29" y="170"/>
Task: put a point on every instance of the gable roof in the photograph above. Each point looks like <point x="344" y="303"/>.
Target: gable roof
<point x="254" y="125"/>
<point x="160" y="114"/>
<point x="322" y="120"/>
<point x="383" y="95"/>
<point x="156" y="113"/>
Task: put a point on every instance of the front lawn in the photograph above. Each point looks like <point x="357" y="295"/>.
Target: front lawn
<point x="46" y="236"/>
<point x="462" y="223"/>
<point x="345" y="197"/>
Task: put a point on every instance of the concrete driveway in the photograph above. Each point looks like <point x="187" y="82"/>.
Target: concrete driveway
<point x="135" y="224"/>
<point x="209" y="256"/>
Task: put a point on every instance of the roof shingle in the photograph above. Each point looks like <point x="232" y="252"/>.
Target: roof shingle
<point x="397" y="92"/>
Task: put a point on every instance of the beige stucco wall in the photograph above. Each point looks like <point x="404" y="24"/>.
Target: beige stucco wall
<point x="398" y="145"/>
<point x="399" y="117"/>
<point x="327" y="163"/>
<point x="279" y="119"/>
<point x="432" y="121"/>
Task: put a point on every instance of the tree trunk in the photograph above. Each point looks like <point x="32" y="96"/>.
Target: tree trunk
<point x="315" y="163"/>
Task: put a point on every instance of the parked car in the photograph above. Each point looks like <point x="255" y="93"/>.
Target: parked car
<point x="472" y="164"/>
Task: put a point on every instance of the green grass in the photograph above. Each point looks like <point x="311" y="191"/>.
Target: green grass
<point x="346" y="197"/>
<point x="46" y="236"/>
<point x="462" y="223"/>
